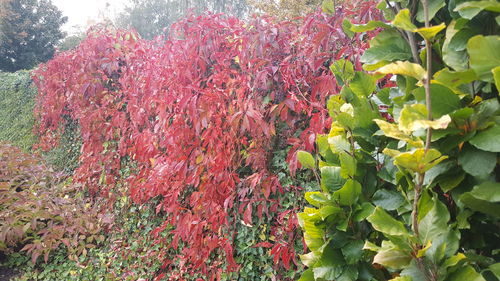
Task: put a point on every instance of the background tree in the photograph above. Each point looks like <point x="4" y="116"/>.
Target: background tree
<point x="72" y="41"/>
<point x="285" y="9"/>
<point x="151" y="18"/>
<point x="29" y="31"/>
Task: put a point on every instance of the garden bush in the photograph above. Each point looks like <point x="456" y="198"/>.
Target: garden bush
<point x="196" y="119"/>
<point x="39" y="213"/>
<point x="409" y="170"/>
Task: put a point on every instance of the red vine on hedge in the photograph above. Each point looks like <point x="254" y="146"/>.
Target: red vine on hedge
<point x="190" y="111"/>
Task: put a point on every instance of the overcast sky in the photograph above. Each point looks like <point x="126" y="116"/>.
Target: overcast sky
<point x="80" y="13"/>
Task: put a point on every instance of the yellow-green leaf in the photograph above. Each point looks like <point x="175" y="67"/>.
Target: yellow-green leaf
<point x="414" y="117"/>
<point x="403" y="21"/>
<point x="418" y="160"/>
<point x="430" y="32"/>
<point x="404" y="68"/>
<point x="392" y="131"/>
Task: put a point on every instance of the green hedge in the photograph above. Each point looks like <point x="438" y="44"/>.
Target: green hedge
<point x="17" y="99"/>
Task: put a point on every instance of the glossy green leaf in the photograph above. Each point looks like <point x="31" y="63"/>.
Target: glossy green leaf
<point x="353" y="251"/>
<point x="347" y="165"/>
<point x="389" y="46"/>
<point x="395" y="259"/>
<point x="470" y="9"/>
<point x="434" y="223"/>
<point x="443" y="100"/>
<point x="307" y="275"/>
<point x="327" y="211"/>
<point x="487" y="191"/>
<point x="466" y="273"/>
<point x="363" y="84"/>
<point x="306" y="159"/>
<point x="339" y="144"/>
<point x="349" y="193"/>
<point x="477" y="162"/>
<point x="453" y="79"/>
<point x="434" y="7"/>
<point x="388" y="199"/>
<point x="496" y="77"/>
<point x="316" y="198"/>
<point x="476" y="204"/>
<point x="453" y="58"/>
<point x="343" y="69"/>
<point x="484" y="53"/>
<point x="309" y="259"/>
<point x="385" y="223"/>
<point x="331" y="179"/>
<point x="495" y="269"/>
<point x="488" y="139"/>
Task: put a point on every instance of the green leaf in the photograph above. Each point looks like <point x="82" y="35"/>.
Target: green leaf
<point x="328" y="7"/>
<point x="487" y="191"/>
<point x="434" y="223"/>
<point x="453" y="58"/>
<point x="349" y="193"/>
<point x="466" y="273"/>
<point x="484" y="53"/>
<point x="330" y="178"/>
<point x="363" y="84"/>
<point x="404" y="68"/>
<point x="495" y="269"/>
<point x="395" y="259"/>
<point x="309" y="259"/>
<point x="402" y="278"/>
<point x="316" y="198"/>
<point x="414" y="117"/>
<point x="306" y="159"/>
<point x="343" y="69"/>
<point x="347" y="165"/>
<point x="329" y="210"/>
<point x="363" y="212"/>
<point x="476" y="204"/>
<point x="477" y="162"/>
<point x="496" y="77"/>
<point x="371" y="25"/>
<point x="307" y="275"/>
<point x="434" y="7"/>
<point x="353" y="251"/>
<point x="385" y="223"/>
<point x="470" y="9"/>
<point x="487" y="139"/>
<point x="403" y="21"/>
<point x="453" y="79"/>
<point x="443" y="100"/>
<point x="388" y="46"/>
<point x="339" y="144"/>
<point x="388" y="199"/>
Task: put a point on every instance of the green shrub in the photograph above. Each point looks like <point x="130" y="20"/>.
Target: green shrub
<point x="17" y="99"/>
<point x="409" y="172"/>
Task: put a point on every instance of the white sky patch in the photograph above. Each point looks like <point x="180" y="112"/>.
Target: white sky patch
<point x="82" y="13"/>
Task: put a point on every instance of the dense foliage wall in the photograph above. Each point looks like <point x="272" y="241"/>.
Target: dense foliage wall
<point x="195" y="120"/>
<point x="410" y="183"/>
<point x="17" y="101"/>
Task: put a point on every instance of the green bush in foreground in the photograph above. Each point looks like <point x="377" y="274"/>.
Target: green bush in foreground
<point x="409" y="173"/>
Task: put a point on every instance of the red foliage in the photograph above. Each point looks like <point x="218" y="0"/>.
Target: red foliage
<point x="192" y="110"/>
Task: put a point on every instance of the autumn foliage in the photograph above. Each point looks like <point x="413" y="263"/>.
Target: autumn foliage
<point x="196" y="118"/>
